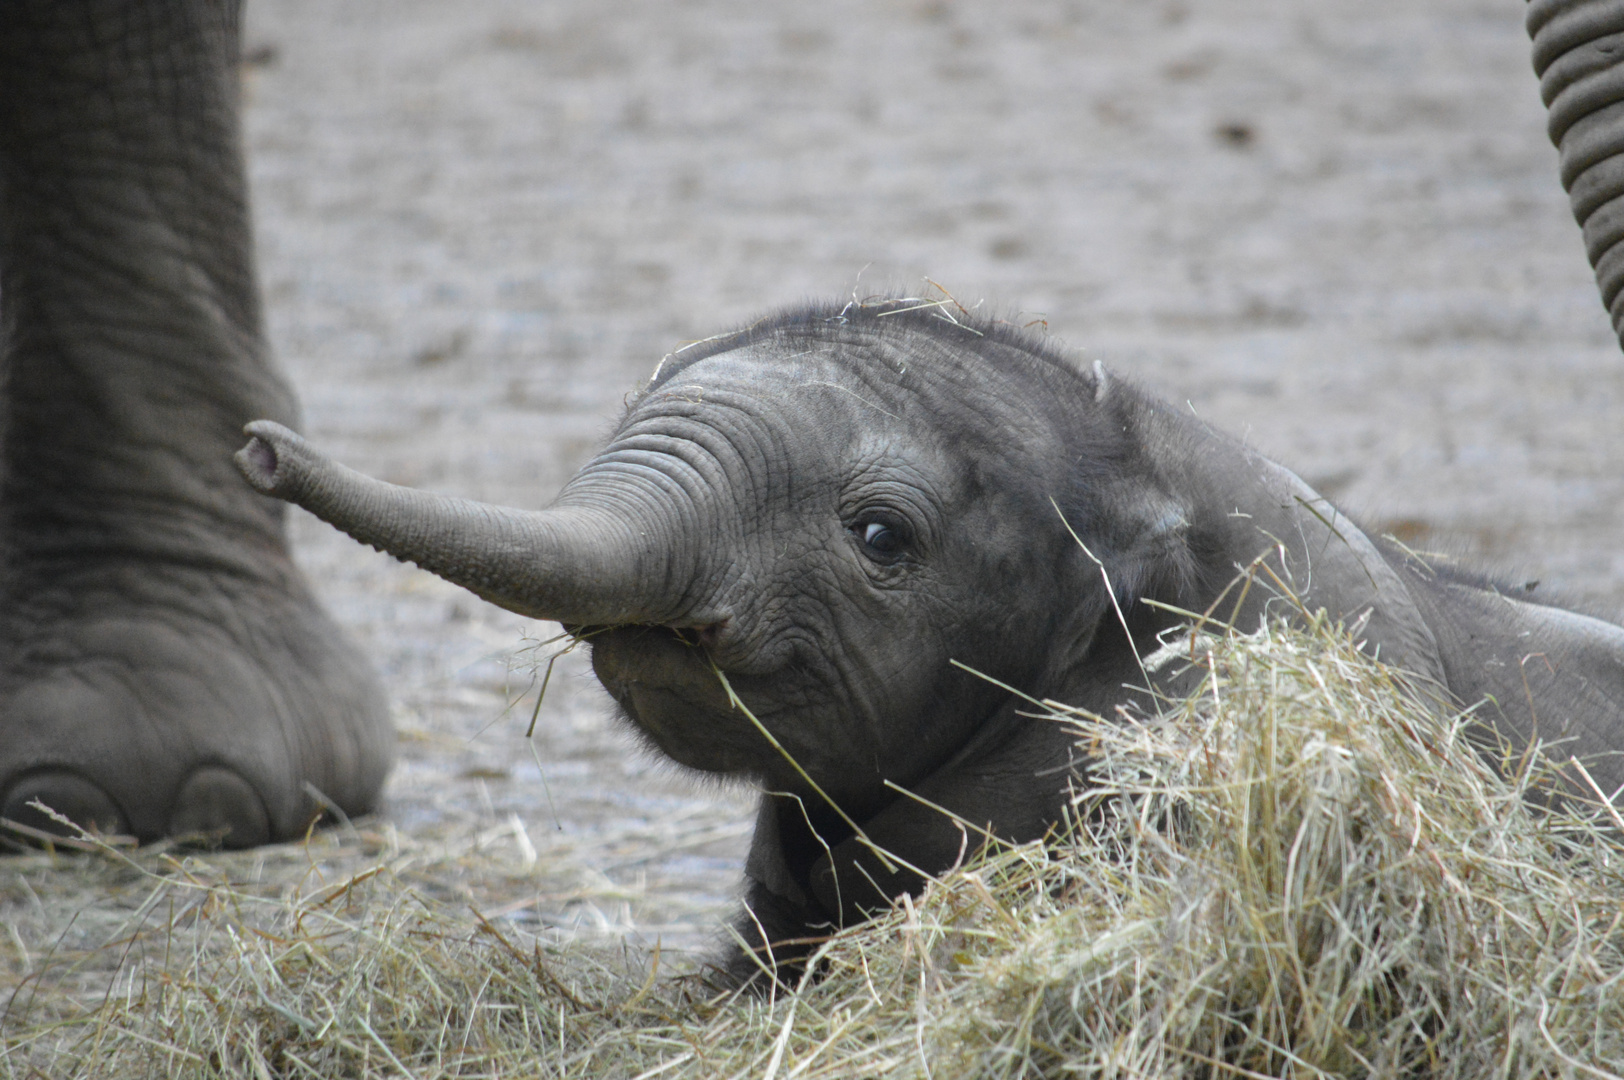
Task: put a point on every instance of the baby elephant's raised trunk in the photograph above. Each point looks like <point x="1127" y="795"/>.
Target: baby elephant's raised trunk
<point x="597" y="559"/>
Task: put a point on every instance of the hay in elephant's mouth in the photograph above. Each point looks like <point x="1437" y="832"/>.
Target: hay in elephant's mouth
<point x="1300" y="873"/>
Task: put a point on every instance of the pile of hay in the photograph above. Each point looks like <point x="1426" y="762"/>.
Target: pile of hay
<point x="1300" y="872"/>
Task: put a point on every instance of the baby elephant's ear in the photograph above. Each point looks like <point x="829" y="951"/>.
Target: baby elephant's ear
<point x="1138" y="542"/>
<point x="1159" y="523"/>
<point x="1315" y="558"/>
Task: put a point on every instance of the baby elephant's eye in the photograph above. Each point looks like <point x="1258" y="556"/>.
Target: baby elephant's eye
<point x="880" y="539"/>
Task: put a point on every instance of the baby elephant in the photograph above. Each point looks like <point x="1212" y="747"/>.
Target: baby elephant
<point x="802" y="534"/>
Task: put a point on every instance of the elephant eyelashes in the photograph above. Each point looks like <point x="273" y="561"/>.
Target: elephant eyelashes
<point x="881" y="542"/>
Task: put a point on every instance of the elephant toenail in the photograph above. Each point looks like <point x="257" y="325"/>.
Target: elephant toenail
<point x="67" y="794"/>
<point x="218" y="804"/>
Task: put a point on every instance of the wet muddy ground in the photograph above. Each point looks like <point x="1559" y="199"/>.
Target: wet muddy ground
<point x="1336" y="228"/>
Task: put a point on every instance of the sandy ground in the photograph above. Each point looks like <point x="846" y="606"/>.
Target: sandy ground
<point x="1335" y="227"/>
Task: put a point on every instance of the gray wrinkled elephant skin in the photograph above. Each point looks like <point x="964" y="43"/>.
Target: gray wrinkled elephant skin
<point x="164" y="670"/>
<point x="836" y="507"/>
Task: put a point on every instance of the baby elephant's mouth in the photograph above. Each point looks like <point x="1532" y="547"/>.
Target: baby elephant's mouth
<point x="661" y="654"/>
<point x="675" y="657"/>
<point x="675" y="650"/>
<point x="708" y="637"/>
<point x="669" y="686"/>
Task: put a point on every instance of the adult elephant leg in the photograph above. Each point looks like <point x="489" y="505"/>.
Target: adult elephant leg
<point x="163" y="668"/>
<point x="1579" y="57"/>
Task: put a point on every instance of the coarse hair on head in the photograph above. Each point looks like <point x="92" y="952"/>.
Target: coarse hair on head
<point x="943" y="319"/>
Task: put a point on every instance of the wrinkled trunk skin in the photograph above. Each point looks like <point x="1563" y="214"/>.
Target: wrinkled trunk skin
<point x="163" y="669"/>
<point x="1579" y="58"/>
<point x="607" y="556"/>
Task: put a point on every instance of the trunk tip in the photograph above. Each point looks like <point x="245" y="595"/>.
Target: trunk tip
<point x="260" y="461"/>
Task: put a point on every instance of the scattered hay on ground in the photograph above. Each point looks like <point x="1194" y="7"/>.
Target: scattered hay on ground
<point x="1300" y="872"/>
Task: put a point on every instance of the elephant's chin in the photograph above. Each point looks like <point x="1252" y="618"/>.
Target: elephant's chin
<point x="685" y="733"/>
<point x="668" y="687"/>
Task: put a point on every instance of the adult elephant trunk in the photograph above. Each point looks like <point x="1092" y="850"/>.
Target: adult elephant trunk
<point x="602" y="555"/>
<point x="1579" y="57"/>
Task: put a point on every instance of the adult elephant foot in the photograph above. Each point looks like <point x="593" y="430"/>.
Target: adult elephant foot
<point x="163" y="668"/>
<point x="170" y="700"/>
